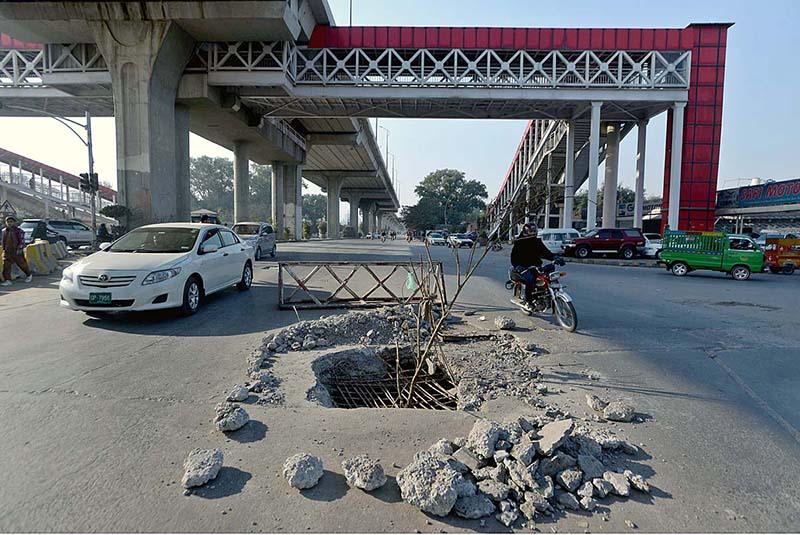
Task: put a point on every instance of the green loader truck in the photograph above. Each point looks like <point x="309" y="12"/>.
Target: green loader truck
<point x="735" y="254"/>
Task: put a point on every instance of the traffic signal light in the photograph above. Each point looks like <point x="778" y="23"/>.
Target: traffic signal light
<point x="89" y="182"/>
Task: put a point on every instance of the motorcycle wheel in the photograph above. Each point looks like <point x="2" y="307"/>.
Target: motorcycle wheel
<point x="566" y="315"/>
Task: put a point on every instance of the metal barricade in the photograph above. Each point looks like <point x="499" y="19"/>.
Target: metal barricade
<point x="356" y="284"/>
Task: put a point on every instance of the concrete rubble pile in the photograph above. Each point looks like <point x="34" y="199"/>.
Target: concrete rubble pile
<point x="519" y="470"/>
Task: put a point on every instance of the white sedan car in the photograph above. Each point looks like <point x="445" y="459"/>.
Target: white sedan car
<point x="652" y="245"/>
<point x="168" y="265"/>
<point x="436" y="238"/>
<point x="459" y="241"/>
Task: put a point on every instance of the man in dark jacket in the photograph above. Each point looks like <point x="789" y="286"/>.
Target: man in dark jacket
<point x="14" y="251"/>
<point x="529" y="250"/>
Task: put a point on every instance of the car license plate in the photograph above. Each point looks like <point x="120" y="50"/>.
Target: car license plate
<point x="100" y="298"/>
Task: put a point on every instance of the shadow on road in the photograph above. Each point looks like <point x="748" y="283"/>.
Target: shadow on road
<point x="330" y="488"/>
<point x="229" y="482"/>
<point x="253" y="431"/>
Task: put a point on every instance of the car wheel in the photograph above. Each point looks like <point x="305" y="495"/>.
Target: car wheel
<point x="788" y="269"/>
<point x="740" y="273"/>
<point x="274" y="251"/>
<point x="63" y="240"/>
<point x="628" y="253"/>
<point x="247" y="278"/>
<point x="679" y="269"/>
<point x="583" y="252"/>
<point x="192" y="296"/>
<point x="258" y="253"/>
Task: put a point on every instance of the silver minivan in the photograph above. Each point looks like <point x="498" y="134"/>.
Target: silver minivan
<point x="260" y="236"/>
<point x="554" y="238"/>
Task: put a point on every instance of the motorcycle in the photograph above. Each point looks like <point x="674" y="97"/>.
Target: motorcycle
<point x="495" y="246"/>
<point x="548" y="294"/>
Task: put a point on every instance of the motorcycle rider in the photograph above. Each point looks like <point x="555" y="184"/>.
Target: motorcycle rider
<point x="528" y="252"/>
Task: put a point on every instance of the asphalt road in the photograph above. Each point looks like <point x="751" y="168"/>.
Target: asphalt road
<point x="99" y="414"/>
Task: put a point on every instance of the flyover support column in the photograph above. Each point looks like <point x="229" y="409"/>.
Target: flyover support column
<point x="146" y="60"/>
<point x="594" y="157"/>
<point x="673" y="215"/>
<point x="612" y="176"/>
<point x="293" y="199"/>
<point x="241" y="182"/>
<point x="334" y="191"/>
<point x="184" y="200"/>
<point x="569" y="177"/>
<point x="641" y="146"/>
<point x="278" y="172"/>
<point x="354" y="201"/>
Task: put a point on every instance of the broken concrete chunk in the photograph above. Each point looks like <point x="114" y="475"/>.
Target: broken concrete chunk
<point x="229" y="416"/>
<point x="619" y="482"/>
<point x="473" y="507"/>
<point x="493" y="489"/>
<point x="504" y="323"/>
<point x="508" y="513"/>
<point x="483" y="437"/>
<point x="465" y="487"/>
<point x="569" y="501"/>
<point x="570" y="479"/>
<point x="602" y="487"/>
<point x="363" y="473"/>
<point x="429" y="484"/>
<point x="500" y="456"/>
<point x="619" y="411"/>
<point x="555" y="464"/>
<point x="239" y="393"/>
<point x="590" y="466"/>
<point x="538" y="501"/>
<point x="302" y="471"/>
<point x="525" y="451"/>
<point x="521" y="475"/>
<point x="586" y="490"/>
<point x="466" y="457"/>
<point x="637" y="481"/>
<point x="201" y="466"/>
<point x="588" y="503"/>
<point x="596" y="403"/>
<point x="443" y="446"/>
<point x="552" y="435"/>
<point x="459" y="442"/>
<point x="545" y="487"/>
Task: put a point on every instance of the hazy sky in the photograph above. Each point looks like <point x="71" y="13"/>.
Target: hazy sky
<point x="761" y="103"/>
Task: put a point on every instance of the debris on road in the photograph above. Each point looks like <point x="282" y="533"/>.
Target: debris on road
<point x="229" y="416"/>
<point x="363" y="473"/>
<point x="619" y="411"/>
<point x="239" y="393"/>
<point x="504" y="323"/>
<point x="302" y="471"/>
<point x="201" y="466"/>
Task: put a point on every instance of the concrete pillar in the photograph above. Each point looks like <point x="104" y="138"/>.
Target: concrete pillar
<point x="241" y="182"/>
<point x="569" y="177"/>
<point x="354" y="201"/>
<point x="61" y="187"/>
<point x="293" y="199"/>
<point x="612" y="176"/>
<point x="334" y="191"/>
<point x="278" y="172"/>
<point x="184" y="195"/>
<point x="641" y="146"/>
<point x="373" y="217"/>
<point x="146" y="60"/>
<point x="675" y="166"/>
<point x="549" y="198"/>
<point x="594" y="157"/>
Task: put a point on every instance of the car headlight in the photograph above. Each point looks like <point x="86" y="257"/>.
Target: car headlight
<point x="160" y="276"/>
<point x="66" y="275"/>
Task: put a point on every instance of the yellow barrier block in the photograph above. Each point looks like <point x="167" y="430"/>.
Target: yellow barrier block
<point x="36" y="256"/>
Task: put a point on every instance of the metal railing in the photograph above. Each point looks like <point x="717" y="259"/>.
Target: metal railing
<point x="354" y="284"/>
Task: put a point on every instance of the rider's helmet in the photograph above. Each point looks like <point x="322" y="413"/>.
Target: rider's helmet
<point x="529" y="230"/>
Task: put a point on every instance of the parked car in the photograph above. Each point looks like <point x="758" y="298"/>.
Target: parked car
<point x="435" y="238"/>
<point x="735" y="254"/>
<point x="167" y="265"/>
<point x="555" y="238"/>
<point x="625" y="242"/>
<point x="762" y="238"/>
<point x="459" y="241"/>
<point x="652" y="245"/>
<point x="259" y="236"/>
<point x="72" y="233"/>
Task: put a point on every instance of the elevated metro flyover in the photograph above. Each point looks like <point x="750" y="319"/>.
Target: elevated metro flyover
<point x="582" y="87"/>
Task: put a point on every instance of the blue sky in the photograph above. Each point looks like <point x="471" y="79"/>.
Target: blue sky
<point x="760" y="109"/>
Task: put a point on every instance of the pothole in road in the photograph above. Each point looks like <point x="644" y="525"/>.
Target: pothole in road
<point x="367" y="378"/>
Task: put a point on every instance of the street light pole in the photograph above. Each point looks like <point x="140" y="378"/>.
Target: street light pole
<point x="91" y="174"/>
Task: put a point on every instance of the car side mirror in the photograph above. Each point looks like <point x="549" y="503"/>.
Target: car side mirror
<point x="105" y="245"/>
<point x="210" y="248"/>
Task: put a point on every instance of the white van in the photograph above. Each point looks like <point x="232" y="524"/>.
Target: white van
<point x="554" y="238"/>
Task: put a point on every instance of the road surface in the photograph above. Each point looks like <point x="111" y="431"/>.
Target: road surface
<point x="98" y="415"/>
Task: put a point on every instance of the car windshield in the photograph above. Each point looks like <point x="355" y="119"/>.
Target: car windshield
<point x="590" y="234"/>
<point x="156" y="240"/>
<point x="28" y="224"/>
<point x="246" y="230"/>
<point x="435" y="235"/>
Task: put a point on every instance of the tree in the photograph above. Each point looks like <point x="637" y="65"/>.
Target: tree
<point x="315" y="207"/>
<point x="261" y="192"/>
<point x="426" y="214"/>
<point x="211" y="185"/>
<point x="456" y="197"/>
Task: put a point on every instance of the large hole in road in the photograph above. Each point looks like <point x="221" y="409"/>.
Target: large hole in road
<point x="363" y="378"/>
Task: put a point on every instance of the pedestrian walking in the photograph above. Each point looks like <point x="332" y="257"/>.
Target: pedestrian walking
<point x="14" y="251"/>
<point x="103" y="235"/>
<point x="39" y="232"/>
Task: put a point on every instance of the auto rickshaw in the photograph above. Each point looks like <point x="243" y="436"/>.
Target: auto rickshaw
<point x="782" y="255"/>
